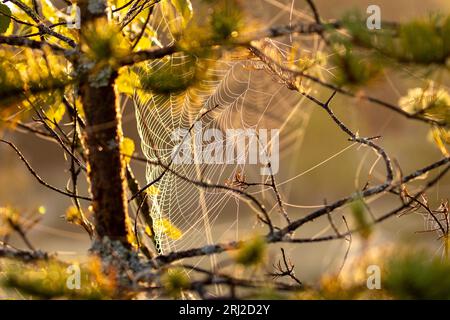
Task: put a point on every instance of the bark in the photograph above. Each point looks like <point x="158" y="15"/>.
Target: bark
<point x="106" y="167"/>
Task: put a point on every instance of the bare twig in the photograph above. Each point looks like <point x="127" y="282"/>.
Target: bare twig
<point x="349" y="239"/>
<point x="38" y="178"/>
<point x="286" y="271"/>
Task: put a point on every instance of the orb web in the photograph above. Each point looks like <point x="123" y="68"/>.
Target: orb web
<point x="237" y="93"/>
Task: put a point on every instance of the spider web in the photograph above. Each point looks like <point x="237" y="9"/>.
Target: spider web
<point x="237" y="94"/>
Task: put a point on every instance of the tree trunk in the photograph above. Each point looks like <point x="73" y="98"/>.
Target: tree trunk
<point x="106" y="167"/>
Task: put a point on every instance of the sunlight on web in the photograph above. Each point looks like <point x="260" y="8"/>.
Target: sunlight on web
<point x="237" y="93"/>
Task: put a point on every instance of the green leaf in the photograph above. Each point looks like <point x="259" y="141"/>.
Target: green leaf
<point x="251" y="252"/>
<point x="5" y="19"/>
<point x="226" y="20"/>
<point x="421" y="42"/>
<point x="175" y="281"/>
<point x="417" y="275"/>
<point x="164" y="76"/>
<point x="184" y="8"/>
<point x="353" y="68"/>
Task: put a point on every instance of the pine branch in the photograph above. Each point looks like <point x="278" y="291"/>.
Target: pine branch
<point x="22" y="41"/>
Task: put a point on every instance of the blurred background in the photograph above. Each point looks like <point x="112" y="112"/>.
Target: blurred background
<point x="316" y="156"/>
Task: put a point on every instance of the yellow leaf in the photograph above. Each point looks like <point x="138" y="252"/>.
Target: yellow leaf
<point x="152" y="191"/>
<point x="440" y="137"/>
<point x="132" y="239"/>
<point x="166" y="227"/>
<point x="127" y="149"/>
<point x="55" y="114"/>
<point x="73" y="215"/>
<point x="149" y="40"/>
<point x="126" y="82"/>
<point x="6" y="214"/>
<point x="148" y="231"/>
<point x="184" y="8"/>
<point x="431" y="102"/>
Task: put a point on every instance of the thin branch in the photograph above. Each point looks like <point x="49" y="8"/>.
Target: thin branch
<point x="126" y="4"/>
<point x="135" y="9"/>
<point x="318" y="19"/>
<point x="350" y="239"/>
<point x="380" y="219"/>
<point x="85" y="223"/>
<point x="287" y="271"/>
<point x="142" y="32"/>
<point x="330" y="220"/>
<point x="222" y="247"/>
<point x="57" y="137"/>
<point x="41" y="26"/>
<point x="290" y="76"/>
<point x="150" y="54"/>
<point x="28" y="128"/>
<point x="272" y="32"/>
<point x="17" y="20"/>
<point x="38" y="178"/>
<point x="273" y="184"/>
<point x="32" y="44"/>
